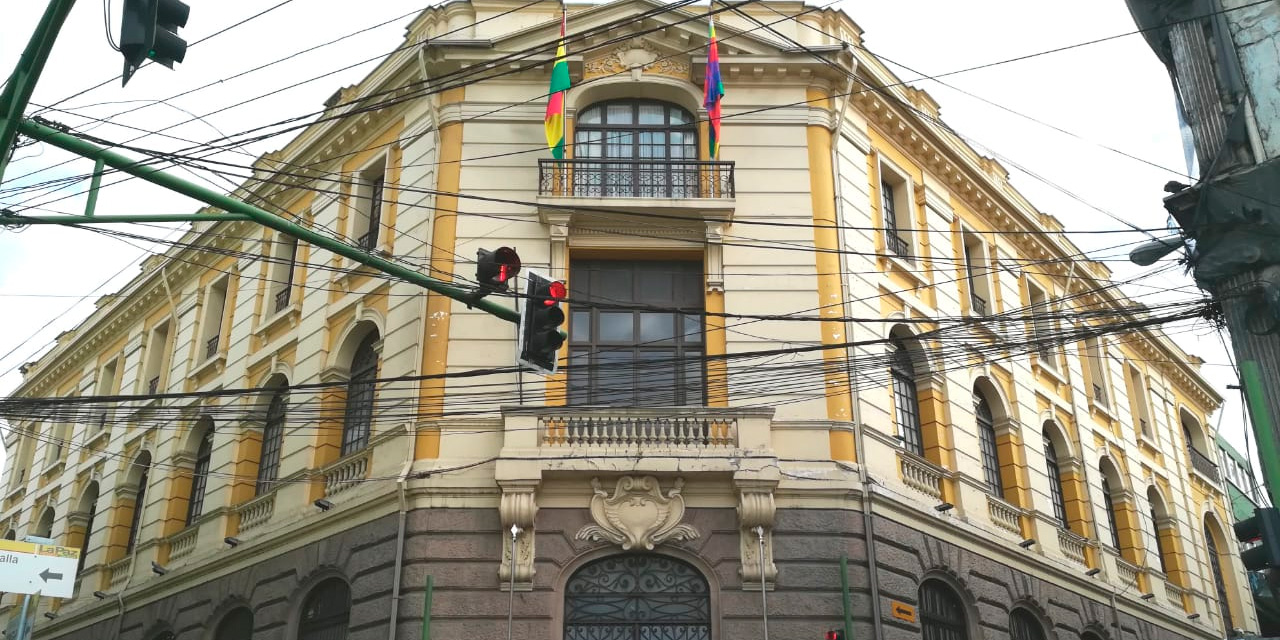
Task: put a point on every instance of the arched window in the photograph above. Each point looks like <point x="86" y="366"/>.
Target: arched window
<point x="326" y="611"/>
<point x="200" y="476"/>
<point x="942" y="615"/>
<point x="1108" y="501"/>
<point x="236" y="625"/>
<point x="272" y="441"/>
<point x="906" y="400"/>
<point x="360" y="393"/>
<point x="987" y="444"/>
<point x="1219" y="581"/>
<point x="142" y="466"/>
<point x="640" y="148"/>
<point x="1024" y="626"/>
<point x="88" y="506"/>
<point x="44" y="528"/>
<point x="636" y="597"/>
<point x="1157" y="516"/>
<point x="1055" y="480"/>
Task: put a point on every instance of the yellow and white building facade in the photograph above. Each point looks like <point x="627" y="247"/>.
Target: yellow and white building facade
<point x="846" y="337"/>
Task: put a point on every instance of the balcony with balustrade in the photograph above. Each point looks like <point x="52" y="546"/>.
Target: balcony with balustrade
<point x="698" y="190"/>
<point x="647" y="439"/>
<point x="1204" y="466"/>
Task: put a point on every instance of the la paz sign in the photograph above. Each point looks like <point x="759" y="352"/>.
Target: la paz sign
<point x="38" y="568"/>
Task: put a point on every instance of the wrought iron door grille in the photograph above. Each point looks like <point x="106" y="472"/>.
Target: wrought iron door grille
<point x="637" y="597"/>
<point x="629" y="178"/>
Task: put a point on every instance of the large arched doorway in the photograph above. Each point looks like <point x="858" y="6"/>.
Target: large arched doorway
<point x="637" y="597"/>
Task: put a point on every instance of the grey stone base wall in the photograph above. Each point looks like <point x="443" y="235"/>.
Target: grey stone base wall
<point x="460" y="549"/>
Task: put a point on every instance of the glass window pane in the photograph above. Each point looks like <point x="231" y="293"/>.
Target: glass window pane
<point x="616" y="326"/>
<point x="614" y="384"/>
<point x="656" y="378"/>
<point x="694" y="381"/>
<point x="651" y="114"/>
<point x="691" y="329"/>
<point x="612" y="284"/>
<point x="657" y="327"/>
<point x="579" y="377"/>
<point x="618" y="114"/>
<point x="580" y="327"/>
<point x="679" y="116"/>
<point x="590" y="116"/>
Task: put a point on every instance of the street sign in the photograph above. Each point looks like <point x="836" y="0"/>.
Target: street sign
<point x="38" y="568"/>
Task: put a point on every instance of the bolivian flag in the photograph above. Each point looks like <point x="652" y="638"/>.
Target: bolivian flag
<point x="555" y="104"/>
<point x="713" y="91"/>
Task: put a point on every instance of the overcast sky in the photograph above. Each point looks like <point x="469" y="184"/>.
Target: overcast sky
<point x="1111" y="93"/>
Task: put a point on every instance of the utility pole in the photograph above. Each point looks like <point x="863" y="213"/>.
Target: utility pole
<point x="1220" y="58"/>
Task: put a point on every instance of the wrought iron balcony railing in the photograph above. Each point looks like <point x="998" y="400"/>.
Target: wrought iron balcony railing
<point x="978" y="304"/>
<point x="1201" y="463"/>
<point x="153" y="385"/>
<point x="602" y="178"/>
<point x="368" y="241"/>
<point x="897" y="244"/>
<point x="282" y="299"/>
<point x="211" y="348"/>
<point x="1100" y="396"/>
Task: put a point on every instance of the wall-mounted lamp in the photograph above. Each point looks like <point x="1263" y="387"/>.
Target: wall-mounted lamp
<point x="232" y="541"/>
<point x="101" y="595"/>
<point x="50" y="615"/>
<point x="323" y="505"/>
<point x="1194" y="616"/>
<point x="1026" y="544"/>
<point x="944" y="507"/>
<point x="1147" y="596"/>
<point x="1093" y="572"/>
<point x="158" y="569"/>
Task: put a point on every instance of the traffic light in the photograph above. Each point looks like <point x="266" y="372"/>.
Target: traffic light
<point x="1263" y="527"/>
<point x="540" y="320"/>
<point x="149" y="30"/>
<point x="495" y="268"/>
<point x="834" y="634"/>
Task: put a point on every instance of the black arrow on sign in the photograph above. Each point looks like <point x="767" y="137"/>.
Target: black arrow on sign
<point x="47" y="574"/>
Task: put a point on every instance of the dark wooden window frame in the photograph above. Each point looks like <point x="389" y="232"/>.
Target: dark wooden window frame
<point x="987" y="445"/>
<point x="942" y="612"/>
<point x="906" y="398"/>
<point x="361" y="390"/>
<point x="1054" y="470"/>
<point x="200" y="476"/>
<point x="326" y="611"/>
<point x="272" y="441"/>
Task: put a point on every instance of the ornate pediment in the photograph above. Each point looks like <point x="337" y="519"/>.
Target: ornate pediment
<point x="638" y="57"/>
<point x="638" y="515"/>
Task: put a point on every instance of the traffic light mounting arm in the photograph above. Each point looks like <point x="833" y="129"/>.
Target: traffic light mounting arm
<point x="17" y="93"/>
<point x="231" y="205"/>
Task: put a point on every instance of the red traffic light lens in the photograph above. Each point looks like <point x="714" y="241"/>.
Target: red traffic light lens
<point x="508" y="262"/>
<point x="556" y="291"/>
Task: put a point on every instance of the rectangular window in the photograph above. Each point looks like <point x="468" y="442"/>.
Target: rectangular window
<point x="157" y="359"/>
<point x="637" y="357"/>
<point x="215" y="305"/>
<point x="367" y="212"/>
<point x="1138" y="400"/>
<point x="977" y="273"/>
<point x="895" y="210"/>
<point x="108" y="385"/>
<point x="1042" y="327"/>
<point x="59" y="440"/>
<point x="284" y="258"/>
<point x="1096" y="364"/>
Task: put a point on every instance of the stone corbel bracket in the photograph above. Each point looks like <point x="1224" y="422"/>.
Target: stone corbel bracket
<point x="518" y="507"/>
<point x="756" y="513"/>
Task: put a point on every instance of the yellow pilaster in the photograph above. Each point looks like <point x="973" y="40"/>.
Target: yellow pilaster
<point x="444" y="237"/>
<point x="328" y="442"/>
<point x="826" y="241"/>
<point x="716" y="345"/>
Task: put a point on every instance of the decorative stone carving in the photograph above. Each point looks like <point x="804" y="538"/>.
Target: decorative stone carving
<point x="756" y="511"/>
<point x="715" y="256"/>
<point x="638" y="516"/>
<point x="518" y="507"/>
<point x="638" y="57"/>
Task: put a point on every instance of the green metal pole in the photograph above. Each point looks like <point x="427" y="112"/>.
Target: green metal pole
<point x="92" y="202"/>
<point x="13" y="101"/>
<point x="426" y="611"/>
<point x="18" y="221"/>
<point x="226" y="203"/>
<point x="848" y="601"/>
<point x="1263" y="427"/>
